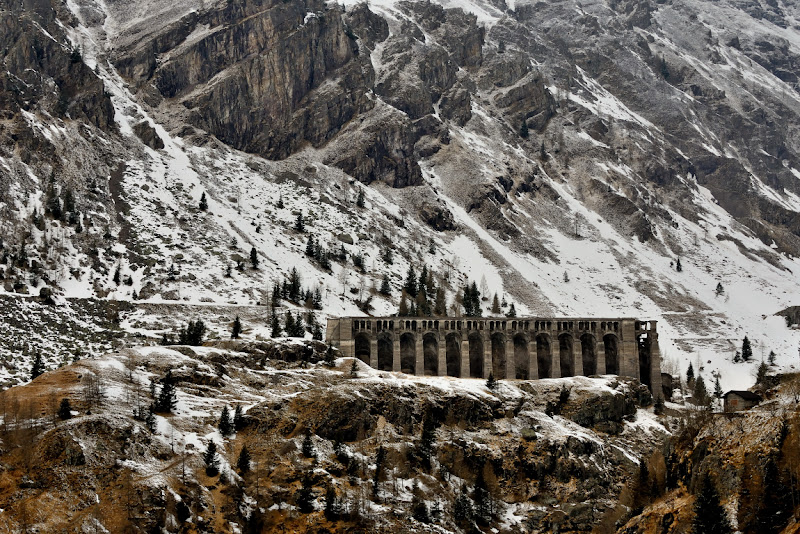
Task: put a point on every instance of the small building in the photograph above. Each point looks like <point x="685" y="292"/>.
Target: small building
<point x="740" y="400"/>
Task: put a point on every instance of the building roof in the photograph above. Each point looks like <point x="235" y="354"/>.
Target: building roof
<point x="746" y="395"/>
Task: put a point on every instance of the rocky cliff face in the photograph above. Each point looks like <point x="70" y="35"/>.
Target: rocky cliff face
<point x="569" y="153"/>
<point x="42" y="71"/>
<point x="506" y="455"/>
<point x="264" y="77"/>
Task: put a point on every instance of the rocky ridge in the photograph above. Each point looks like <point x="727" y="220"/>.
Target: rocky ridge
<point x="104" y="467"/>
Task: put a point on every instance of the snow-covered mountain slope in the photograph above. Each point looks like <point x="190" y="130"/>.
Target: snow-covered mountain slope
<point x="651" y="136"/>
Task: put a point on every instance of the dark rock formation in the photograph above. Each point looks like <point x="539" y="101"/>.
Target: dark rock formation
<point x="43" y="71"/>
<point x="437" y="217"/>
<point x="289" y="69"/>
<point x="366" y="25"/>
<point x="529" y="100"/>
<point x="148" y="135"/>
<point x="379" y="148"/>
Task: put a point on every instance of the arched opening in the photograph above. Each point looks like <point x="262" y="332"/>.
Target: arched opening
<point x="589" y="354"/>
<point x="385" y="352"/>
<point x="453" y="354"/>
<point x="498" y="355"/>
<point x="644" y="360"/>
<point x="362" y="347"/>
<point x="612" y="354"/>
<point x="521" y="371"/>
<point x="475" y="356"/>
<point x="566" y="356"/>
<point x="408" y="354"/>
<point x="430" y="351"/>
<point x="544" y="359"/>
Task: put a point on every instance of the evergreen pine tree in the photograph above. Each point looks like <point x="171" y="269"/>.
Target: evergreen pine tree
<point x="316" y="299"/>
<point x="203" y="202"/>
<point x="37" y="368"/>
<point x="193" y="333"/>
<point x="678" y="266"/>
<point x="167" y="396"/>
<point x="761" y="374"/>
<point x="237" y="328"/>
<point x="411" y="282"/>
<point x="69" y="201"/>
<point x="476" y="300"/>
<point x="512" y="311"/>
<point x="747" y="350"/>
<point x="719" y="290"/>
<point x="150" y="419"/>
<point x="466" y="301"/>
<point x="225" y="423"/>
<point x="243" y="461"/>
<point x="311" y="247"/>
<point x="299" y="224"/>
<point x="316" y="332"/>
<point x="332" y="508"/>
<point x="690" y="375"/>
<point x="275" y="326"/>
<point x="771" y="357"/>
<point x="64" y="409"/>
<point x="495" y="305"/>
<point x="523" y="129"/>
<point x="710" y="516"/>
<point x="289" y="324"/>
<point x="386" y="288"/>
<point x="354" y="369"/>
<point x="238" y="418"/>
<point x="305" y="495"/>
<point x="737" y="357"/>
<point x="211" y="460"/>
<point x="299" y="329"/>
<point x="360" y="198"/>
<point x="308" y="446"/>
<point x="717" y="388"/>
<point x="280" y="202"/>
<point x="294" y="286"/>
<point x="700" y="393"/>
<point x="491" y="382"/>
<point x="254" y="258"/>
